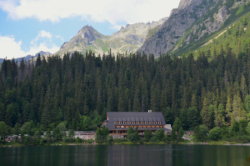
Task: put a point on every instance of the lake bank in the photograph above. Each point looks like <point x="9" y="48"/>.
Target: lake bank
<point x="225" y="143"/>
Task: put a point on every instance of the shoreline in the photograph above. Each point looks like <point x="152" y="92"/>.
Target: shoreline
<point x="224" y="143"/>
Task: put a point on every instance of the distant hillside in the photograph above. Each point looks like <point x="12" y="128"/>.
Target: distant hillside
<point x="28" y="57"/>
<point x="236" y="36"/>
<point x="128" y="39"/>
<point x="192" y="25"/>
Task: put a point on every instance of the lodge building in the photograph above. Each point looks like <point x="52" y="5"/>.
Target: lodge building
<point x="119" y="122"/>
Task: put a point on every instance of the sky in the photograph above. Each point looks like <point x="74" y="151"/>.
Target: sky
<point x="30" y="26"/>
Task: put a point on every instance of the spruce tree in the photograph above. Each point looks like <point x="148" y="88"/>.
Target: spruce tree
<point x="205" y="113"/>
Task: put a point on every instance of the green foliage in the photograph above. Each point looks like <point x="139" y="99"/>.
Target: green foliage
<point x="192" y="117"/>
<point x="57" y="135"/>
<point x="147" y="135"/>
<point x="3" y="130"/>
<point x="130" y="134"/>
<point x="159" y="135"/>
<point x="247" y="103"/>
<point x="173" y="134"/>
<point x="71" y="134"/>
<point x="197" y="133"/>
<point x="177" y="124"/>
<point x="136" y="135"/>
<point x="76" y="92"/>
<point x="16" y="129"/>
<point x="102" y="134"/>
<point x="180" y="134"/>
<point x="215" y="134"/>
<point x="48" y="135"/>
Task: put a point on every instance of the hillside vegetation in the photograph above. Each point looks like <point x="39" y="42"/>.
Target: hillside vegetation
<point x="236" y="36"/>
<point x="236" y="16"/>
<point x="80" y="90"/>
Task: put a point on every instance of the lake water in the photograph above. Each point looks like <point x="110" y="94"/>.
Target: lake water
<point x="122" y="155"/>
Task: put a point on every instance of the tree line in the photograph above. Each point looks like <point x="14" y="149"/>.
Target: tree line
<point x="80" y="89"/>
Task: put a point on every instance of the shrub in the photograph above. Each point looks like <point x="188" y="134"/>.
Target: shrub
<point x="109" y="138"/>
<point x="79" y="140"/>
<point x="215" y="134"/>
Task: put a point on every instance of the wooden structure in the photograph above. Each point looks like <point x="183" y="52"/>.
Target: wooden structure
<point x="119" y="122"/>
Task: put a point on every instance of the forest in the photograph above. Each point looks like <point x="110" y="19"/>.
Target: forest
<point x="76" y="91"/>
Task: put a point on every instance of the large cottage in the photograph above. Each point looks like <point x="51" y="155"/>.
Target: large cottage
<point x="119" y="122"/>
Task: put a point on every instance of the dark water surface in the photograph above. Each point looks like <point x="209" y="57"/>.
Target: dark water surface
<point x="134" y="155"/>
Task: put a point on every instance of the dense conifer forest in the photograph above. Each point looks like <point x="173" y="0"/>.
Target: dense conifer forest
<point x="80" y="89"/>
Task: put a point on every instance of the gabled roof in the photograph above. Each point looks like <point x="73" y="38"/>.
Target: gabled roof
<point x="133" y="117"/>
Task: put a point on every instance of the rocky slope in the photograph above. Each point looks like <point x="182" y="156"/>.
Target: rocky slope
<point x="191" y="23"/>
<point x="128" y="39"/>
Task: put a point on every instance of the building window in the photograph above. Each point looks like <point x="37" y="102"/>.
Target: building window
<point x="142" y="122"/>
<point x="137" y="122"/>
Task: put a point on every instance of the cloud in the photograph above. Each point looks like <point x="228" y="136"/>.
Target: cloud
<point x="59" y="37"/>
<point x="113" y="11"/>
<point x="41" y="34"/>
<point x="43" y="47"/>
<point x="11" y="48"/>
<point x="117" y="27"/>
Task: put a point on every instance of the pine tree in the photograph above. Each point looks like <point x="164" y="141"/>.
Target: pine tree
<point x="136" y="103"/>
<point x="229" y="110"/>
<point x="205" y="113"/>
<point x="46" y="114"/>
<point x="193" y="101"/>
<point x="243" y="87"/>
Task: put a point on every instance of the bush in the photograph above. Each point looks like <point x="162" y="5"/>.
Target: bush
<point x="203" y="131"/>
<point x="215" y="134"/>
<point x="109" y="138"/>
<point x="78" y="140"/>
<point x="159" y="134"/>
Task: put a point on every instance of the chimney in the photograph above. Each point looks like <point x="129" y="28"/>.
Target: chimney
<point x="149" y="111"/>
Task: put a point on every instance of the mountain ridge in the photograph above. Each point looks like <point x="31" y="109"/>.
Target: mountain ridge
<point x="193" y="22"/>
<point x="28" y="57"/>
<point x="127" y="40"/>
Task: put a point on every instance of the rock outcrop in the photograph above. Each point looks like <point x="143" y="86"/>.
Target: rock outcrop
<point x="127" y="40"/>
<point x="174" y="28"/>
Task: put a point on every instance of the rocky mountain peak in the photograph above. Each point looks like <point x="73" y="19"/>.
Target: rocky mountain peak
<point x="86" y="28"/>
<point x="184" y="3"/>
<point x="87" y="34"/>
<point x="128" y="39"/>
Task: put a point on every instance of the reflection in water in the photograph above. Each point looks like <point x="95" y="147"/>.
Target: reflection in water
<point x="122" y="155"/>
<point x="139" y="155"/>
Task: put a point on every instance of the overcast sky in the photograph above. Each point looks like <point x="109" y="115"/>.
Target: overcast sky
<point x="30" y="26"/>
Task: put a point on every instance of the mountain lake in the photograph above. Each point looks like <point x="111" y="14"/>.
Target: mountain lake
<point x="126" y="155"/>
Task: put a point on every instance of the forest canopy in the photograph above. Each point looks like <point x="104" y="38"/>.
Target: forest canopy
<point x="80" y="89"/>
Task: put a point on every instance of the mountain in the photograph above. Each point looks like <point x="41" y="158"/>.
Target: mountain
<point x="235" y="36"/>
<point x="28" y="57"/>
<point x="128" y="39"/>
<point x="192" y="24"/>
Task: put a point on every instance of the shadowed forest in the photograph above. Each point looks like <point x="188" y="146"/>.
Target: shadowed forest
<point x="78" y="90"/>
